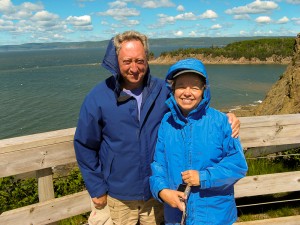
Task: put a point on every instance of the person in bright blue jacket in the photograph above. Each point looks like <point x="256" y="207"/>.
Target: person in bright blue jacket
<point x="195" y="148"/>
<point x="117" y="131"/>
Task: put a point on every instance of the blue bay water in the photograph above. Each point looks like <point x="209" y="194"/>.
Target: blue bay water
<point x="43" y="90"/>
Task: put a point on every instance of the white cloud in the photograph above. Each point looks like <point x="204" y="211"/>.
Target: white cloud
<point x="209" y="14"/>
<point x="296" y="20"/>
<point x="163" y="19"/>
<point x="263" y="33"/>
<point x="80" y="20"/>
<point x="283" y="20"/>
<point x="263" y="19"/>
<point x="241" y="17"/>
<point x="83" y="23"/>
<point x="6" y="6"/>
<point x="6" y="25"/>
<point x="216" y="27"/>
<point x="157" y="4"/>
<point x="186" y="16"/>
<point x="44" y="16"/>
<point x="193" y="34"/>
<point x="58" y="36"/>
<point x="244" y="33"/>
<point x="253" y="8"/>
<point x="117" y="4"/>
<point x="120" y="13"/>
<point x="28" y="6"/>
<point x="23" y="11"/>
<point x="131" y="23"/>
<point x="18" y="15"/>
<point x="180" y="8"/>
<point x="178" y="33"/>
<point x="189" y="16"/>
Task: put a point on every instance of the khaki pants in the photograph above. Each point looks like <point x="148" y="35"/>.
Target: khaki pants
<point x="99" y="216"/>
<point x="131" y="212"/>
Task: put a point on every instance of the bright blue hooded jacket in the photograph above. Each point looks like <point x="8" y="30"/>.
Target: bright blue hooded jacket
<point x="202" y="141"/>
<point x="114" y="149"/>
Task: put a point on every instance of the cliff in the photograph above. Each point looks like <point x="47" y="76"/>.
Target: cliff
<point x="284" y="96"/>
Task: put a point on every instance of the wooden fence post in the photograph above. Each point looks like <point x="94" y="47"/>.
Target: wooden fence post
<point x="45" y="186"/>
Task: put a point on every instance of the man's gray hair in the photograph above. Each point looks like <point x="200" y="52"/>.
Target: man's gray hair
<point x="129" y="36"/>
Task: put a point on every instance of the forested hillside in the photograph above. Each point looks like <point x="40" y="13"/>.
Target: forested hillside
<point x="260" y="49"/>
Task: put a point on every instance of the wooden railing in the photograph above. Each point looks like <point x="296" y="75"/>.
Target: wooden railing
<point x="41" y="152"/>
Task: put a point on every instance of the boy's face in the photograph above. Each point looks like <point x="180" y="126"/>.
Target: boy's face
<point x="188" y="91"/>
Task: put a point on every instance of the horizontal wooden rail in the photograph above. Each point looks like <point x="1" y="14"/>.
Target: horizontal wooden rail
<point x="71" y="205"/>
<point x="272" y="130"/>
<point x="267" y="184"/>
<point x="34" y="152"/>
<point x="48" y="211"/>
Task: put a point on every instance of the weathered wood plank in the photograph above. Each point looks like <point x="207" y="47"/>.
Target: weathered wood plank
<point x="270" y="130"/>
<point x="48" y="211"/>
<point x="288" y="220"/>
<point x="36" y="140"/>
<point x="267" y="184"/>
<point x="36" y="158"/>
<point x="45" y="184"/>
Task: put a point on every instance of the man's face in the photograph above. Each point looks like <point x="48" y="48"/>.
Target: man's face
<point x="133" y="64"/>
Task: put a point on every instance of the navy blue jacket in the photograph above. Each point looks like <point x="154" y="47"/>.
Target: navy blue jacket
<point x="113" y="148"/>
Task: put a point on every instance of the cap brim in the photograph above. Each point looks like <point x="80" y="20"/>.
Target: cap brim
<point x="187" y="71"/>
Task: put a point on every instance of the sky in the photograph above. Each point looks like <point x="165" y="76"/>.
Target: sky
<point x="43" y="21"/>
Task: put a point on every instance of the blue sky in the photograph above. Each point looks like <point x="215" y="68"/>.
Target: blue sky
<point x="95" y="20"/>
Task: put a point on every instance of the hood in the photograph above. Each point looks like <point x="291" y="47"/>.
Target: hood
<point x="110" y="60"/>
<point x="195" y="65"/>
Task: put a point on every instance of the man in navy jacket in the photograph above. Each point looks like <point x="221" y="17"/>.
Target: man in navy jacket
<point x="117" y="131"/>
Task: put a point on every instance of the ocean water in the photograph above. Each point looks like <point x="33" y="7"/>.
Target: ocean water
<point x="43" y="90"/>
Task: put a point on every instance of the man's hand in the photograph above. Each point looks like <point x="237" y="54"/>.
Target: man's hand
<point x="235" y="124"/>
<point x="100" y="202"/>
<point x="191" y="177"/>
<point x="173" y="198"/>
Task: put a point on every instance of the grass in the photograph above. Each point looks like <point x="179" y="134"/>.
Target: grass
<point x="260" y="166"/>
<point x="259" y="211"/>
<point x="75" y="220"/>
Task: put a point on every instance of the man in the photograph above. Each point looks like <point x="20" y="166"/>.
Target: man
<point x="117" y="130"/>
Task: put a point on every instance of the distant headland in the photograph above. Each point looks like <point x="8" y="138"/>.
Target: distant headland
<point x="259" y="51"/>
